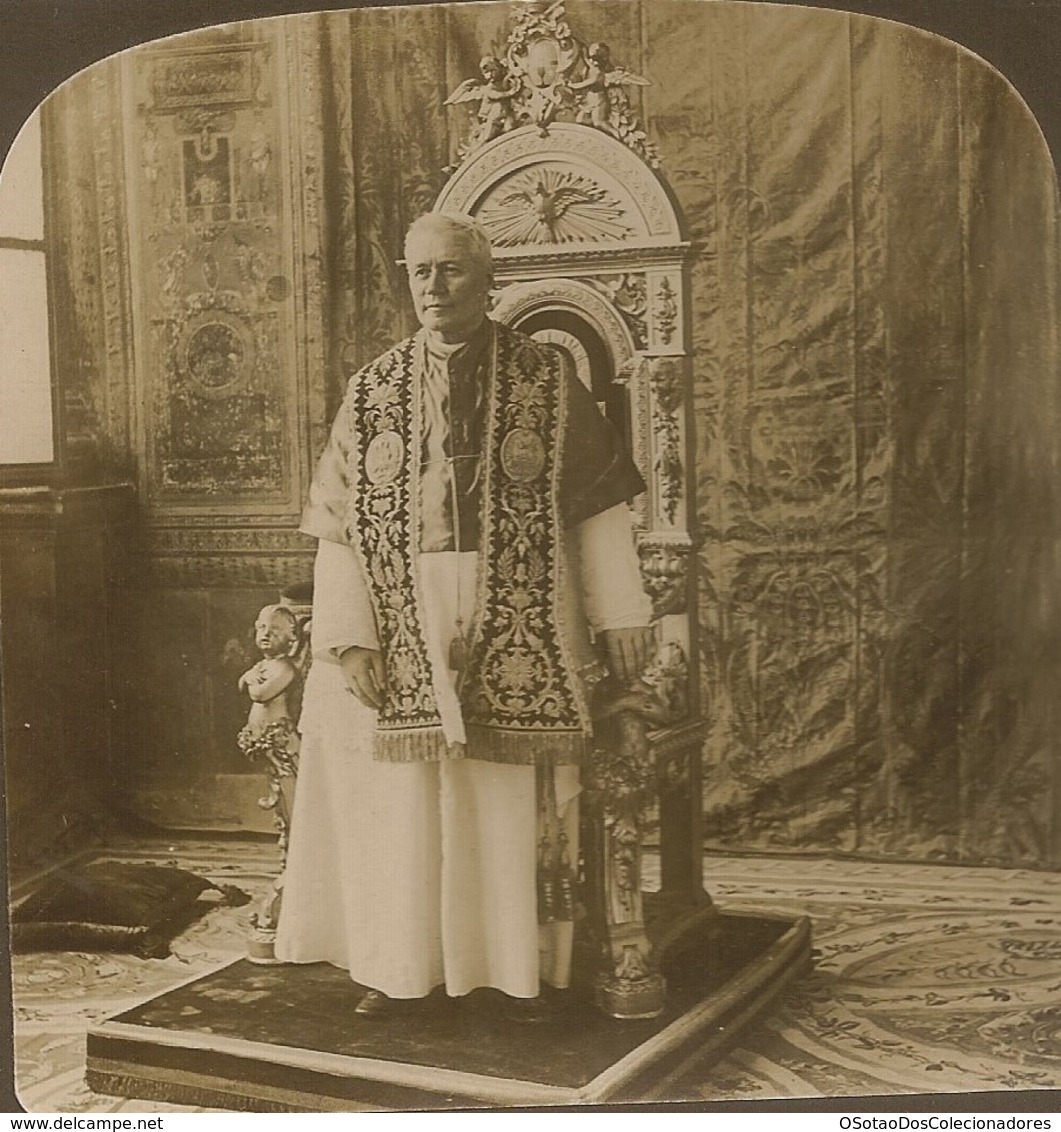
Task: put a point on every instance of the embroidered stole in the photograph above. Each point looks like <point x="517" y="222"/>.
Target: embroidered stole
<point x="520" y="696"/>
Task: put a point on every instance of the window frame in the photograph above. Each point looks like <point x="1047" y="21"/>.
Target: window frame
<point x="42" y="473"/>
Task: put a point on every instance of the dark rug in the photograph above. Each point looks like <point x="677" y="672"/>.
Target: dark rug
<point x="112" y="906"/>
<point x="287" y="1036"/>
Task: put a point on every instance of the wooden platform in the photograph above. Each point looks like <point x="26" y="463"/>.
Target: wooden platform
<point x="285" y="1038"/>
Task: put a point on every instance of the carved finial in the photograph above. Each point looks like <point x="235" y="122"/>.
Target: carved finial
<point x="548" y="74"/>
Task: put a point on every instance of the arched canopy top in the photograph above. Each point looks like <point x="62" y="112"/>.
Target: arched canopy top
<point x="572" y="190"/>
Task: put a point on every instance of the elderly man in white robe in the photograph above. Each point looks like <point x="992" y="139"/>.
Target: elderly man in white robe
<point x="474" y="537"/>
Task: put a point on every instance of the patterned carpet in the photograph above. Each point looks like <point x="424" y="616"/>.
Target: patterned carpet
<point x="929" y="979"/>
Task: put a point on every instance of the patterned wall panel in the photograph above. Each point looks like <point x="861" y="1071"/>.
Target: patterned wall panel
<point x="211" y="234"/>
<point x="192" y="355"/>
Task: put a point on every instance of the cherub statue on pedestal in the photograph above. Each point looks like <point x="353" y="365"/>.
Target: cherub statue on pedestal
<point x="270" y="735"/>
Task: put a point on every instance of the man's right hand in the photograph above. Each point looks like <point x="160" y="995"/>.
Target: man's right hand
<point x="364" y="674"/>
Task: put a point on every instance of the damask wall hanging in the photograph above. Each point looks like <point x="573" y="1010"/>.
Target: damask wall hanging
<point x="872" y="318"/>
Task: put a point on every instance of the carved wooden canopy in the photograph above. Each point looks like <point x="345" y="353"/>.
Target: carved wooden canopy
<point x="573" y="197"/>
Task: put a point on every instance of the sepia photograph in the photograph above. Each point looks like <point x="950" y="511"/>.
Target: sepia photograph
<point x="530" y="562"/>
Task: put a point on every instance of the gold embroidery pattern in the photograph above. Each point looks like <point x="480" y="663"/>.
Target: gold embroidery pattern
<point x="519" y="695"/>
<point x="518" y="678"/>
<point x="382" y="522"/>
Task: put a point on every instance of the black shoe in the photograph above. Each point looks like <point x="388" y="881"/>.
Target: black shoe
<point x="375" y="1004"/>
<point x="529" y="1011"/>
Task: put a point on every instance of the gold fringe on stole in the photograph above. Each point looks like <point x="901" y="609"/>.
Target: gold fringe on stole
<point x="528" y="748"/>
<point x="411" y="745"/>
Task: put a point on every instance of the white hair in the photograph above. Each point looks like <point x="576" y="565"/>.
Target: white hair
<point x="471" y="232"/>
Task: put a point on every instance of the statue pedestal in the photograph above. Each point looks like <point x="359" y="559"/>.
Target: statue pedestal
<point x="285" y="1038"/>
<point x="261" y="943"/>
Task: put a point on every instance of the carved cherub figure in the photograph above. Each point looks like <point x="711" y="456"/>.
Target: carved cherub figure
<point x="270" y="734"/>
<point x="494" y="94"/>
<point x="602" y="97"/>
<point x="270" y="729"/>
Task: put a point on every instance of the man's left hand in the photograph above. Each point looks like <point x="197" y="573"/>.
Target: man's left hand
<point x="629" y="651"/>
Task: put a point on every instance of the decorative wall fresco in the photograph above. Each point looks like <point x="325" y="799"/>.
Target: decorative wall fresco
<point x="208" y="238"/>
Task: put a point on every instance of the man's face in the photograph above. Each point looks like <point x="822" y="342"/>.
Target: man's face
<point x="448" y="285"/>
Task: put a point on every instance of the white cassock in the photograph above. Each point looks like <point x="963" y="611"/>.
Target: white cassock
<point x="418" y="875"/>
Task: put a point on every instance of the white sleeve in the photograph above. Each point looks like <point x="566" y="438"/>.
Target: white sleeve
<point x="610" y="572"/>
<point x="342" y="608"/>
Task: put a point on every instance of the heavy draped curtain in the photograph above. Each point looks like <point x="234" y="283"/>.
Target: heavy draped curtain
<point x="875" y="321"/>
<point x="874" y="314"/>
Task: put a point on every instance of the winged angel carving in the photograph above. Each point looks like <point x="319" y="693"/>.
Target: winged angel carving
<point x="603" y="102"/>
<point x="546" y="74"/>
<point x="494" y="92"/>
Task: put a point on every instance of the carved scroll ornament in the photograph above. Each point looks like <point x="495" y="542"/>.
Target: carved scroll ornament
<point x="666" y="311"/>
<point x="620" y="782"/>
<point x="547" y="74"/>
<point x="665" y="573"/>
<point x="665" y="382"/>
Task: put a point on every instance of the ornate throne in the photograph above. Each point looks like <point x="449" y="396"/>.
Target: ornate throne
<point x="590" y="256"/>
